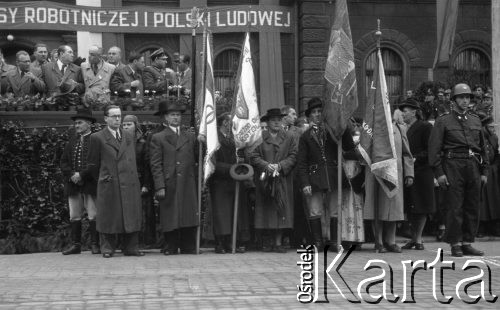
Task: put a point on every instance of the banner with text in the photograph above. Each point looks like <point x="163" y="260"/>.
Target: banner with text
<point x="46" y="15"/>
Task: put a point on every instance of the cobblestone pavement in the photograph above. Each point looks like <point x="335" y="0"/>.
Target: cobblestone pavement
<point x="208" y="281"/>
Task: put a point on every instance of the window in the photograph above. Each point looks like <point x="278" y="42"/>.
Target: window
<point x="473" y="66"/>
<point x="225" y="69"/>
<point x="393" y="66"/>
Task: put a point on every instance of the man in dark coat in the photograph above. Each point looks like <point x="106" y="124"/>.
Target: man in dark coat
<point x="4" y="68"/>
<point x="54" y="74"/>
<point x="317" y="170"/>
<point x="127" y="80"/>
<point x="457" y="155"/>
<point x="222" y="190"/>
<point x="25" y="80"/>
<point x="158" y="77"/>
<point x="80" y="187"/>
<point x="173" y="154"/>
<point x="112" y="162"/>
<point x="420" y="196"/>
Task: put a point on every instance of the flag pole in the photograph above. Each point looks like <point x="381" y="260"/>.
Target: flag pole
<point x="339" y="198"/>
<point x="376" y="221"/>
<point x="194" y="12"/>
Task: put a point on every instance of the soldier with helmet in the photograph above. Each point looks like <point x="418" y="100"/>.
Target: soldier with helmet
<point x="458" y="158"/>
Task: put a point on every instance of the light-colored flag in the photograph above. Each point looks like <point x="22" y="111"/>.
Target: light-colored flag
<point x="446" y="17"/>
<point x="246" y="118"/>
<point x="208" y="123"/>
<point x="377" y="138"/>
<point x="341" y="98"/>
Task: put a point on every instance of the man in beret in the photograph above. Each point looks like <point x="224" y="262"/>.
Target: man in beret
<point x="173" y="155"/>
<point x="158" y="77"/>
<point x="80" y="187"/>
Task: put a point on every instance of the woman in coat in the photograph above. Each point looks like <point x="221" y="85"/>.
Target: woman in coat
<point x="131" y="124"/>
<point x="420" y="196"/>
<point x="274" y="160"/>
<point x="390" y="210"/>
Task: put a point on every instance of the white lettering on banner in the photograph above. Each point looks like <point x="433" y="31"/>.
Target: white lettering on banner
<point x="265" y="15"/>
<point x="158" y="19"/>
<point x="3" y="16"/>
<point x="115" y="13"/>
<point x="242" y="18"/>
<point x="169" y="20"/>
<point x="219" y="24"/>
<point x="229" y="22"/>
<point x="13" y="12"/>
<point x="123" y="19"/>
<point x="177" y="21"/>
<point x="99" y="13"/>
<point x="277" y="17"/>
<point x="208" y="19"/>
<point x="86" y="18"/>
<point x="287" y="24"/>
<point x="75" y="16"/>
<point x="29" y="15"/>
<point x="52" y="16"/>
<point x="64" y="19"/>
<point x="254" y="21"/>
<point x="145" y="19"/>
<point x="136" y="23"/>
<point x="41" y="16"/>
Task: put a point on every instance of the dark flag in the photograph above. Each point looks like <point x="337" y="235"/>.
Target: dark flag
<point x="377" y="139"/>
<point x="341" y="98"/>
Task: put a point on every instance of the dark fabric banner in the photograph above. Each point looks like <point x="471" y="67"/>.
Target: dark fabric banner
<point x="46" y="15"/>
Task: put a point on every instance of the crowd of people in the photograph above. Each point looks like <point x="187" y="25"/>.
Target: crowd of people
<point x="138" y="189"/>
<point x="72" y="81"/>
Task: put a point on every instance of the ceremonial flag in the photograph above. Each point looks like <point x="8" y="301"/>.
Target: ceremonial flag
<point x="377" y="138"/>
<point x="446" y="16"/>
<point x="208" y="123"/>
<point x="246" y="117"/>
<point x="341" y="99"/>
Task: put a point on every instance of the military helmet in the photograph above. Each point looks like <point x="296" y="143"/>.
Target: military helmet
<point x="461" y="89"/>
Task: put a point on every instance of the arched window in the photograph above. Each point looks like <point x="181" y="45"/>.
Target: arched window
<point x="393" y="66"/>
<point x="472" y="65"/>
<point x="225" y="69"/>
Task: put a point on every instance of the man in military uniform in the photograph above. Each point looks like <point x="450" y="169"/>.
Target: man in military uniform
<point x="457" y="156"/>
<point x="158" y="77"/>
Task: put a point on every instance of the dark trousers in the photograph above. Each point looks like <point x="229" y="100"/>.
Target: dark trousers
<point x="462" y="199"/>
<point x="183" y="238"/>
<point x="129" y="242"/>
<point x="148" y="220"/>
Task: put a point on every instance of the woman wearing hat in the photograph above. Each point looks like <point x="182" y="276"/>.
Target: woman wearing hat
<point x="131" y="124"/>
<point x="419" y="198"/>
<point x="274" y="160"/>
<point x="490" y="204"/>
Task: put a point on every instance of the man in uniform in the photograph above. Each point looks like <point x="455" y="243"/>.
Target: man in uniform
<point x="158" y="77"/>
<point x="80" y="187"/>
<point x="457" y="156"/>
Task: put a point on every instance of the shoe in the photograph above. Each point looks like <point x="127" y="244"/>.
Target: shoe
<point x="190" y="251"/>
<point x="170" y="252"/>
<point x="456" y="251"/>
<point x="394" y="248"/>
<point x="380" y="248"/>
<point x="440" y="234"/>
<point x="279" y="249"/>
<point x="219" y="249"/>
<point x="74" y="249"/>
<point x="135" y="253"/>
<point x="467" y="249"/>
<point x="409" y="245"/>
<point x="95" y="249"/>
<point x="241" y="249"/>
<point x="107" y="255"/>
<point x="419" y="246"/>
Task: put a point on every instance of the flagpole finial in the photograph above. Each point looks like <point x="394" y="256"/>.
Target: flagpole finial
<point x="378" y="33"/>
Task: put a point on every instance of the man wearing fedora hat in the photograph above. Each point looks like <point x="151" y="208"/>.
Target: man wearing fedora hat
<point x="419" y="197"/>
<point x="79" y="186"/>
<point x="317" y="170"/>
<point x="173" y="158"/>
<point x="158" y="77"/>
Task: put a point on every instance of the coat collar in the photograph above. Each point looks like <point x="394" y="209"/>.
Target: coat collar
<point x="17" y="81"/>
<point x="280" y="137"/>
<point x="111" y="140"/>
<point x="176" y="140"/>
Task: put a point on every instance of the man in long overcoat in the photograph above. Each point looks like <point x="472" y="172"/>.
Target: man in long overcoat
<point x="112" y="162"/>
<point x="173" y="154"/>
<point x="96" y="76"/>
<point x="276" y="157"/>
